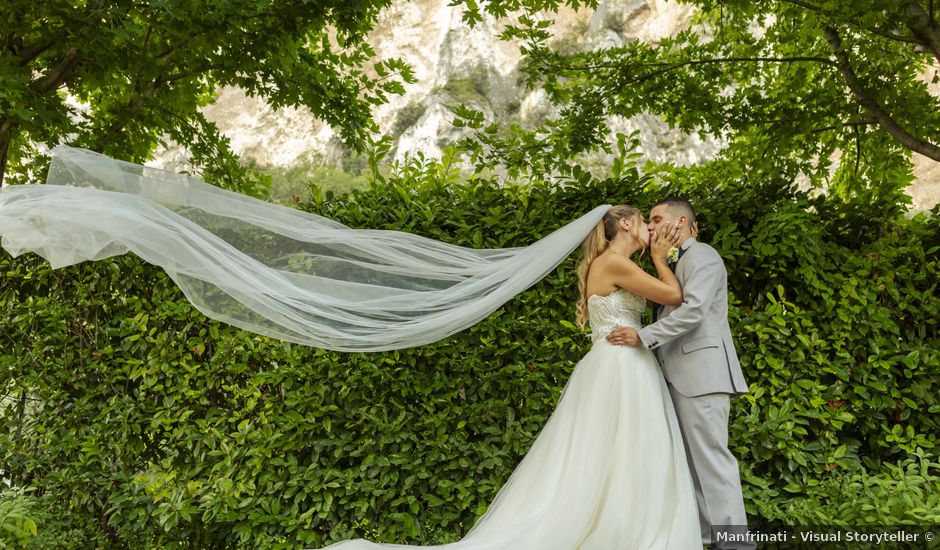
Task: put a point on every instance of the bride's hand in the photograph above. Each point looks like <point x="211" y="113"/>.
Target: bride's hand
<point x="662" y="242"/>
<point x="675" y="236"/>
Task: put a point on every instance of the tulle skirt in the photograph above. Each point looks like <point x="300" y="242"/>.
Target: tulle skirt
<point x="608" y="471"/>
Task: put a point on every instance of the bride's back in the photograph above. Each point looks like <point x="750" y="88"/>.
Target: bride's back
<point x="620" y="308"/>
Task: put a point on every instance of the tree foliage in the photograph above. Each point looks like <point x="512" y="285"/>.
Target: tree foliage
<point x="790" y="85"/>
<point x="144" y="68"/>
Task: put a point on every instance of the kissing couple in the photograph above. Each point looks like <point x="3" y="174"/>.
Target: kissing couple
<point x="635" y="455"/>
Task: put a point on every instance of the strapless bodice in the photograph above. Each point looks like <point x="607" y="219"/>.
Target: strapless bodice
<point x="620" y="308"/>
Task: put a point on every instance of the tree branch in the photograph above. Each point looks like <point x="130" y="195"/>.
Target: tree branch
<point x="863" y="97"/>
<point x="853" y="123"/>
<point x="858" y="149"/>
<point x="135" y="104"/>
<point x="885" y="34"/>
<point x="672" y="67"/>
<point x="678" y="65"/>
<point x="805" y="5"/>
<point x="54" y="78"/>
<point x="924" y="27"/>
<point x="898" y="37"/>
<point x="824" y="60"/>
<point x="6" y="135"/>
<point x="168" y="53"/>
<point x="187" y="74"/>
<point x="29" y="53"/>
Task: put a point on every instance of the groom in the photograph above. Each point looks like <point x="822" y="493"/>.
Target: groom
<point x="694" y="348"/>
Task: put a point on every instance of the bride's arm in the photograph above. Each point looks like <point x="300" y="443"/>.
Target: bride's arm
<point x="663" y="289"/>
<point x="659" y="250"/>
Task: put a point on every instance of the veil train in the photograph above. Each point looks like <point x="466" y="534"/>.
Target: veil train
<point x="270" y="269"/>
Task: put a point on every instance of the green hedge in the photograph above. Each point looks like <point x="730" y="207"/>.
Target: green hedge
<point x="130" y="420"/>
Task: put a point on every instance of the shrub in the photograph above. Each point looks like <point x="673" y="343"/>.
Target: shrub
<point x="902" y="493"/>
<point x="149" y="425"/>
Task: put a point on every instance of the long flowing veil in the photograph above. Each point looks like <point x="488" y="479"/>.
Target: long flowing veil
<point x="270" y="269"/>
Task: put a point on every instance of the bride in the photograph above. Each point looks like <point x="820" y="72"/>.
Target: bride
<point x="608" y="471"/>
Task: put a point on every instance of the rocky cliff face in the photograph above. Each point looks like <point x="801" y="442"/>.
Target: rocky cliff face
<point x="454" y="64"/>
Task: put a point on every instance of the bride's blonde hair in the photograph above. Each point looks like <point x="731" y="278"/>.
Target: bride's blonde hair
<point x="596" y="243"/>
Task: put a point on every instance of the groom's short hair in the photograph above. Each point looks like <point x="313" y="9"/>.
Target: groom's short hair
<point x="679" y="207"/>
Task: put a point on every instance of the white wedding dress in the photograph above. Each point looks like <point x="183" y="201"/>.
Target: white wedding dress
<point x="607" y="472"/>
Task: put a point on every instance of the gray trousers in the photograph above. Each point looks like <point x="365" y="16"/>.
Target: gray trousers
<point x="704" y="424"/>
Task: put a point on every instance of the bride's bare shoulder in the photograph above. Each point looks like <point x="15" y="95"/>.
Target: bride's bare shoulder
<point x="615" y="262"/>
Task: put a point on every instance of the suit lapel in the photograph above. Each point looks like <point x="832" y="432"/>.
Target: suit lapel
<point x="686" y="246"/>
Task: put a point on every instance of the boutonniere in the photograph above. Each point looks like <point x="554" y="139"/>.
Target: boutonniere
<point x="673" y="255"/>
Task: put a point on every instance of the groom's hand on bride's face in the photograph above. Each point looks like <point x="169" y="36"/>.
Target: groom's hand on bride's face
<point x="624" y="336"/>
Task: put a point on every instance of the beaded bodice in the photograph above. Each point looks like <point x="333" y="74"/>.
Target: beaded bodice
<point x="620" y="308"/>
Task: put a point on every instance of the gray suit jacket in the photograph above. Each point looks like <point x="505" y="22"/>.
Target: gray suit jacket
<point x="694" y="340"/>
